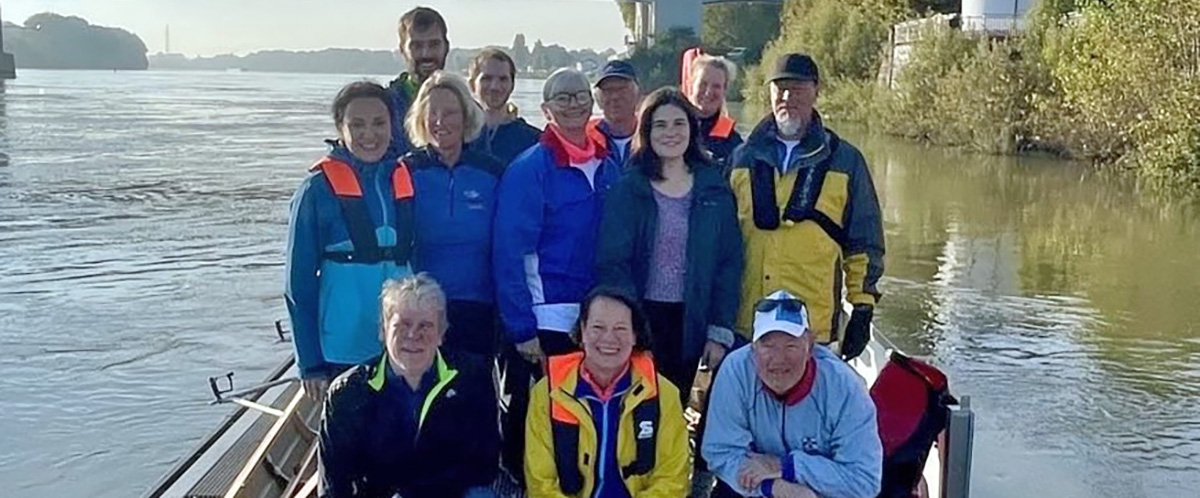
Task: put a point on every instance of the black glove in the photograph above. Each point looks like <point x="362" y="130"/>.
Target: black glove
<point x="858" y="332"/>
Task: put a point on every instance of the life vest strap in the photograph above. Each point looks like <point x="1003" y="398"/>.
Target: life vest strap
<point x="347" y="188"/>
<point x="723" y="127"/>
<point x="802" y="202"/>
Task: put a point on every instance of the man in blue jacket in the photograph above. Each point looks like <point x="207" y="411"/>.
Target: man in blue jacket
<point x="617" y="95"/>
<point x="788" y="418"/>
<point x="424" y="44"/>
<point x="548" y="209"/>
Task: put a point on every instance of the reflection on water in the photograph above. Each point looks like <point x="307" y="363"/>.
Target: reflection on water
<point x="141" y="241"/>
<point x="1064" y="302"/>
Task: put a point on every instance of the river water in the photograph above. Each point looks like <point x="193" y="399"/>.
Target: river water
<point x="142" y="223"/>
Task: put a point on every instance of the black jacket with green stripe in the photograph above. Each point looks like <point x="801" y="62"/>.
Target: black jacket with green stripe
<point x="457" y="443"/>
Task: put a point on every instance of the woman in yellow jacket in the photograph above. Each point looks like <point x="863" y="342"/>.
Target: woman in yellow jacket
<point x="602" y="423"/>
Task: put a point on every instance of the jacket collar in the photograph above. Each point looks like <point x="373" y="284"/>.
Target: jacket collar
<point x="564" y="378"/>
<point x="763" y="143"/>
<point x="558" y="149"/>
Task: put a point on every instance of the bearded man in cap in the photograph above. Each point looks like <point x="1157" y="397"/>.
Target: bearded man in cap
<point x="548" y="209"/>
<point x="809" y="213"/>
<point x="788" y="418"/>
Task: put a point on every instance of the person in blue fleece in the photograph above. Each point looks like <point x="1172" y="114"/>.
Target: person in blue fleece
<point x="350" y="231"/>
<point x="787" y="418"/>
<point x="493" y="75"/>
<point x="455" y="205"/>
<point x="548" y="209"/>
<point x="424" y="45"/>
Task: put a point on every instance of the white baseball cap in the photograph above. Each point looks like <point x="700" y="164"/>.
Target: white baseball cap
<point x="780" y="312"/>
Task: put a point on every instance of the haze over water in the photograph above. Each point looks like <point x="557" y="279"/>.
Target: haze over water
<point x="142" y="225"/>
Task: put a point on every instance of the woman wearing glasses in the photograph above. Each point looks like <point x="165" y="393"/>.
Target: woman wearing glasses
<point x="547" y="216"/>
<point x="670" y="234"/>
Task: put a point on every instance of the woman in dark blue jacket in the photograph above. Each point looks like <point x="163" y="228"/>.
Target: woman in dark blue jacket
<point x="670" y="233"/>
<point x="453" y="208"/>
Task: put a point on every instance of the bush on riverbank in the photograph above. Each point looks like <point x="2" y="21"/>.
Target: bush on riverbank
<point x="1115" y="84"/>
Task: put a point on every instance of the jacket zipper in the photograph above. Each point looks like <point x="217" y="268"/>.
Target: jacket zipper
<point x="451" y="191"/>
<point x="383" y="203"/>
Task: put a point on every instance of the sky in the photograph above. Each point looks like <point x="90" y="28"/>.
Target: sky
<point x="211" y="27"/>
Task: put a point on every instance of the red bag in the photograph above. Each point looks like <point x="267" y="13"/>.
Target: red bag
<point x="911" y="399"/>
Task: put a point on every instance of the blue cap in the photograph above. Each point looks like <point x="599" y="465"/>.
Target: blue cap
<point x="617" y="68"/>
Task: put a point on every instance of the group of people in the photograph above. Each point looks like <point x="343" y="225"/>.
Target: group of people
<point x="476" y="300"/>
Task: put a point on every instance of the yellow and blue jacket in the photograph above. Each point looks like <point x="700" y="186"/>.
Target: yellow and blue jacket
<point x="813" y="228"/>
<point x="570" y="442"/>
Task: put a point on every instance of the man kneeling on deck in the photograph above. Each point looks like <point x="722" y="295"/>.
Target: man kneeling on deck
<point x="418" y="423"/>
<point x="788" y="418"/>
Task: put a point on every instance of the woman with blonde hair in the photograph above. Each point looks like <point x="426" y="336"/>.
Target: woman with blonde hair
<point x="708" y="81"/>
<point x="453" y="207"/>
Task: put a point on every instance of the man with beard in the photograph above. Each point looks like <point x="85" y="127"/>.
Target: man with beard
<point x="424" y="44"/>
<point x="809" y="214"/>
<point x="493" y="75"/>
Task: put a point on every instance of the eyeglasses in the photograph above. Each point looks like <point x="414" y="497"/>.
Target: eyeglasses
<point x="788" y="305"/>
<point x="567" y="98"/>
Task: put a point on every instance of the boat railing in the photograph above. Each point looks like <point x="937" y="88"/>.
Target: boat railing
<point x="959" y="444"/>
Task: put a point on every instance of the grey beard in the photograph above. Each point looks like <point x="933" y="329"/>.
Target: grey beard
<point x="788" y="128"/>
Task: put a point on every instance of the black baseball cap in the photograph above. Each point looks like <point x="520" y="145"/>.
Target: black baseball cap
<point x="617" y="68"/>
<point x="795" y="67"/>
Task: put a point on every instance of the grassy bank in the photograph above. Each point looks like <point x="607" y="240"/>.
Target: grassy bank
<point x="1117" y="85"/>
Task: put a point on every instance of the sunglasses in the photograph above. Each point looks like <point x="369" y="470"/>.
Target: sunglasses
<point x="788" y="305"/>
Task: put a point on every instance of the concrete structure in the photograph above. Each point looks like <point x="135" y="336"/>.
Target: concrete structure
<point x="997" y="17"/>
<point x="8" y="67"/>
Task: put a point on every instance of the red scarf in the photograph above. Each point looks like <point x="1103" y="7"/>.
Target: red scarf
<point x="574" y="153"/>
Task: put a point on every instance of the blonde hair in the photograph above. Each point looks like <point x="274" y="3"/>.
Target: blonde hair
<point x="418" y="290"/>
<point x="717" y="62"/>
<point x="473" y="116"/>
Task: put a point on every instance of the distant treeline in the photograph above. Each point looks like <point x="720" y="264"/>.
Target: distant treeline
<point x="540" y="59"/>
<point x="51" y="41"/>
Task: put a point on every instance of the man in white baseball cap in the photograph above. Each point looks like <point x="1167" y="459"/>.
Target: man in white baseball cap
<point x="787" y="417"/>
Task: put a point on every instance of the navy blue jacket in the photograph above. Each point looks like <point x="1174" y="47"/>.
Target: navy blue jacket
<point x="457" y="444"/>
<point x="507" y="141"/>
<point x="714" y="256"/>
<point x="454" y="213"/>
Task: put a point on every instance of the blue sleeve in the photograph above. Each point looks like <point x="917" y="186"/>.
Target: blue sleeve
<point x="727" y="437"/>
<point x="856" y="468"/>
<point x="520" y="201"/>
<point x="302" y="289"/>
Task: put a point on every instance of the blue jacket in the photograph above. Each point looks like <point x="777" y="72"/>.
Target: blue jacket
<point x="547" y="221"/>
<point x="454" y="210"/>
<point x="828" y="439"/>
<point x="507" y="141"/>
<point x="334" y="305"/>
<point x="403" y="90"/>
<point x="600" y="129"/>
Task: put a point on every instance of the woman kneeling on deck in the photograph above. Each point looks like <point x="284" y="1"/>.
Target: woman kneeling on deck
<point x="418" y="422"/>
<point x="603" y="423"/>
